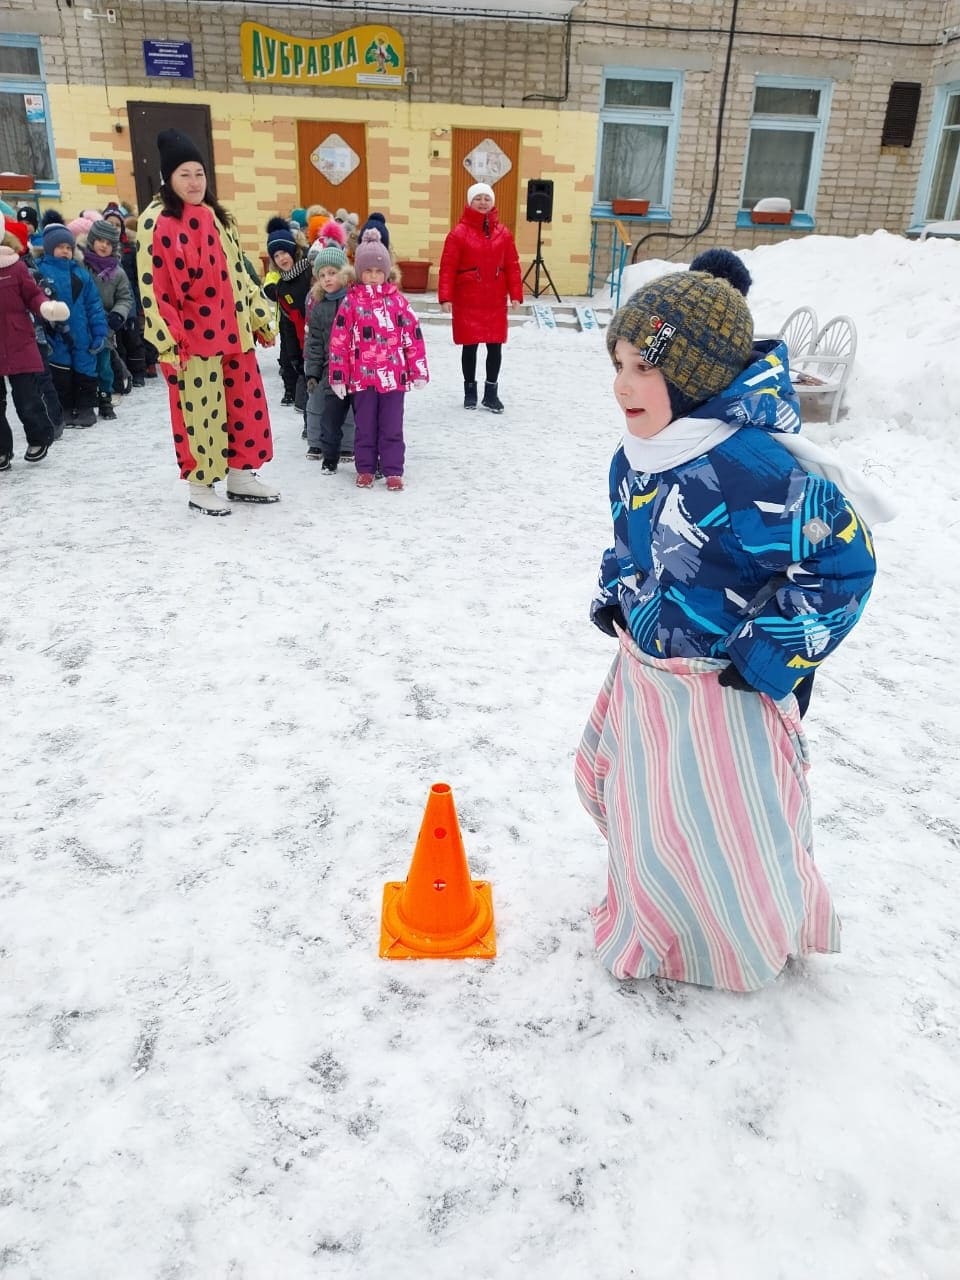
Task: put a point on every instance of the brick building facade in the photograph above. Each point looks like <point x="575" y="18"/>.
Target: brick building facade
<point x="607" y="99"/>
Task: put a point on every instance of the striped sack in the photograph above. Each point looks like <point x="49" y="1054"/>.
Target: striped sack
<point x="701" y="794"/>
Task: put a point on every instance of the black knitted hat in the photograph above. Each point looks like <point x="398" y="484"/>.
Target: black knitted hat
<point x="176" y="149"/>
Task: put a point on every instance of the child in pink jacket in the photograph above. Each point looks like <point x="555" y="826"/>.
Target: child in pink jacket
<point x="376" y="354"/>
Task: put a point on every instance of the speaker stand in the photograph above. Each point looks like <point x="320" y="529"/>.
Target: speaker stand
<point x="538" y="265"/>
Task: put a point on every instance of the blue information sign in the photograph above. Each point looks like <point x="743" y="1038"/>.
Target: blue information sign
<point x="171" y="59"/>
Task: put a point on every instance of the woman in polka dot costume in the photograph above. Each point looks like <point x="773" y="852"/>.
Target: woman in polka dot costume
<point x="203" y="313"/>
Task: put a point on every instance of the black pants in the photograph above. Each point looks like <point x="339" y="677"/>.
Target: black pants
<point x="334" y="416"/>
<point x="130" y="347"/>
<point x="48" y="394"/>
<point x="291" y="357"/>
<point x="76" y="391"/>
<point x="30" y="408"/>
<point x="468" y="361"/>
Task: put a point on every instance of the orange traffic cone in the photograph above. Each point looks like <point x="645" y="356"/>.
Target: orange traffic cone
<point x="438" y="910"/>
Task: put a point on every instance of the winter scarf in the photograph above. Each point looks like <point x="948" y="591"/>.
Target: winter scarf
<point x="102" y="267"/>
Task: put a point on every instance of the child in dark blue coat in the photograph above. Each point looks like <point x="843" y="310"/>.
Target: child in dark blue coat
<point x="76" y="344"/>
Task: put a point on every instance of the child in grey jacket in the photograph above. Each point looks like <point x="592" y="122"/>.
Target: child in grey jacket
<point x="326" y="413"/>
<point x="101" y="260"/>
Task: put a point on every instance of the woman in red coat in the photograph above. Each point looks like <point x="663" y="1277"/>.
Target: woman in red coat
<point x="479" y="272"/>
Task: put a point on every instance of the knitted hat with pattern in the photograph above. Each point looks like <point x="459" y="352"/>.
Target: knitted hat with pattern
<point x="329" y="256"/>
<point x="695" y="328"/>
<point x="103" y="230"/>
<point x="372" y="254"/>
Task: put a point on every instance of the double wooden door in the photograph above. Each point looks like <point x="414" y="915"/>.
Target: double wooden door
<point x="332" y="164"/>
<point x="485" y="165"/>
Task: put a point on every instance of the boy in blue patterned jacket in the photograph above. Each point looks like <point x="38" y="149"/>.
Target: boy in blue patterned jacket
<point x="724" y="545"/>
<point x="735" y="571"/>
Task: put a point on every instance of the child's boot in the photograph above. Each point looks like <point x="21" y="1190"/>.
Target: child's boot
<point x="105" y="407"/>
<point x="469" y="395"/>
<point x="490" y="399"/>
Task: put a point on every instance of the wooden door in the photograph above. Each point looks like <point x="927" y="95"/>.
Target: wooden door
<point x="317" y="144"/>
<point x="147" y="119"/>
<point x="505" y="187"/>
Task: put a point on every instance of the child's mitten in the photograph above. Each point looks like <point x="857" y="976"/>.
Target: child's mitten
<point x="55" y="312"/>
<point x="115" y="320"/>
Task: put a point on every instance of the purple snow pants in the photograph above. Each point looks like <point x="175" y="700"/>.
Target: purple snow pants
<point x="378" y="443"/>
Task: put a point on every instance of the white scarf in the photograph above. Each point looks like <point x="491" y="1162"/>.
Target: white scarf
<point x="681" y="440"/>
<point x="687" y="438"/>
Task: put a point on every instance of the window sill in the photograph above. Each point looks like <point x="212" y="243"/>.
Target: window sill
<point x="606" y="213"/>
<point x="935" y="230"/>
<point x="799" y="222"/>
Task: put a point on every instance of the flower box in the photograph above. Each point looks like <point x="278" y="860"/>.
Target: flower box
<point x="778" y="217"/>
<point x="414" y="276"/>
<point x="636" y="208"/>
<point x="16" y="182"/>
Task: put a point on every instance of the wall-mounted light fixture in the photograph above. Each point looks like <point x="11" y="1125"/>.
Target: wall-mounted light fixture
<point x="91" y="15"/>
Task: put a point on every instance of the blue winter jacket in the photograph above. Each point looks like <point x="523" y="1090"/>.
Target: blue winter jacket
<point x="87" y="327"/>
<point x="739" y="553"/>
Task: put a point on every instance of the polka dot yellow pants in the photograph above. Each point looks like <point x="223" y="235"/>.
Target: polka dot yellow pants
<point x="219" y="415"/>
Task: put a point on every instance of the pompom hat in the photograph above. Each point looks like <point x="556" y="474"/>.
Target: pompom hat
<point x="280" y="238"/>
<point x="695" y="328"/>
<point x="372" y="254"/>
<point x="56" y="233"/>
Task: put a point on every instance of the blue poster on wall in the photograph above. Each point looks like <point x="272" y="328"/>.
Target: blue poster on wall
<point x="171" y="59"/>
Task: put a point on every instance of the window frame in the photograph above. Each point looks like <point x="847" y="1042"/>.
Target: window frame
<point x="16" y="84"/>
<point x="670" y="117"/>
<point x="938" y="118"/>
<point x="817" y="125"/>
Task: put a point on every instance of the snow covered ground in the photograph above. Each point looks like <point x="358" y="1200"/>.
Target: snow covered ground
<point x="218" y="738"/>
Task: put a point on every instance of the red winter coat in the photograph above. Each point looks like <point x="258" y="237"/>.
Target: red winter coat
<point x="479" y="270"/>
<point x="19" y="295"/>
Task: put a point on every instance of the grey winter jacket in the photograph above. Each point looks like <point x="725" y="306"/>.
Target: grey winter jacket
<point x="316" y="347"/>
<point x="115" y="294"/>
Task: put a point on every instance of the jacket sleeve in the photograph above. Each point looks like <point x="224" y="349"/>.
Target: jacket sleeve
<point x="315" y="346"/>
<point x="270" y="282"/>
<point x="338" y="360"/>
<point x="822" y="564"/>
<point x="31" y="293"/>
<point x="96" y="316"/>
<point x="511" y="265"/>
<point x="250" y="295"/>
<point x="449" y="262"/>
<point x="159" y="293"/>
<point x="413" y="346"/>
<point x="123" y="296"/>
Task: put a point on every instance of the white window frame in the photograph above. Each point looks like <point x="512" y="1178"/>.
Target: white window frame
<point x="643" y="115"/>
<point x="16" y="84"/>
<point x="938" y="116"/>
<point x="817" y="125"/>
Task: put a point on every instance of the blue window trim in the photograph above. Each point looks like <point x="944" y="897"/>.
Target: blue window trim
<point x="642" y="115"/>
<point x="938" y="116"/>
<point x="798" y="222"/>
<point x="817" y="125"/>
<point x="12" y="84"/>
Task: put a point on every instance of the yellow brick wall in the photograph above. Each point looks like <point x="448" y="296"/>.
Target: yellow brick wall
<point x="254" y="140"/>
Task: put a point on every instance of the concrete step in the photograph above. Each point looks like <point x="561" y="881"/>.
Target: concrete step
<point x="429" y="312"/>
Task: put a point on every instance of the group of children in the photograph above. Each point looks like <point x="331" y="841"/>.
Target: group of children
<point x="66" y="374"/>
<point x="349" y="340"/>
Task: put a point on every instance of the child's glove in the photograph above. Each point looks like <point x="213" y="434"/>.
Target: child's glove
<point x="731" y="678"/>
<point x="419" y="384"/>
<point x="115" y="320"/>
<point x="97" y="347"/>
<point x="55" y="312"/>
<point x="339" y="390"/>
<point x="606" y="616"/>
<point x="312" y="385"/>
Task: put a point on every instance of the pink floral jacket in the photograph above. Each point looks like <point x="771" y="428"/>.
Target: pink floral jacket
<point x="376" y="341"/>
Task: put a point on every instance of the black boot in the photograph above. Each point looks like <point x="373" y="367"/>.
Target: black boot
<point x="469" y="395"/>
<point x="105" y="408"/>
<point x="490" y="399"/>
